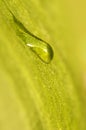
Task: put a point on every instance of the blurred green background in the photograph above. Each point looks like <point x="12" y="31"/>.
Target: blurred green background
<point x="35" y="95"/>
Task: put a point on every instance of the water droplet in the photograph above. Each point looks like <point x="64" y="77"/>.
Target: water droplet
<point x="42" y="49"/>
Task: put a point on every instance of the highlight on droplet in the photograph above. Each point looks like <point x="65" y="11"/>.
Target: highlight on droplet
<point x="41" y="48"/>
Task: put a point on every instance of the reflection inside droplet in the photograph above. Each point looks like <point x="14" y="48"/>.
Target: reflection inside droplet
<point x="42" y="49"/>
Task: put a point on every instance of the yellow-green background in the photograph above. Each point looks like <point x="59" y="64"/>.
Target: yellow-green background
<point x="35" y="95"/>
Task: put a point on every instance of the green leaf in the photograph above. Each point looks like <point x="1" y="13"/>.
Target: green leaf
<point x="35" y="95"/>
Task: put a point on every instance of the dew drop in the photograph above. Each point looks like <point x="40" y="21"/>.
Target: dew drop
<point x="41" y="48"/>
